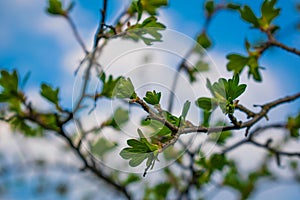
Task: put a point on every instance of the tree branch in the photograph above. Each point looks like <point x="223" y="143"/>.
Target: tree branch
<point x="76" y="34"/>
<point x="100" y="30"/>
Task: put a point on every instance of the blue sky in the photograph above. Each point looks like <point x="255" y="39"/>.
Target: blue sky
<point x="31" y="40"/>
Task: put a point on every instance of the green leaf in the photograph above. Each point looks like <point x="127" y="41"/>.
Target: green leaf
<point x="102" y="146"/>
<point x="49" y="93"/>
<point x="268" y="11"/>
<point x="200" y="66"/>
<point x="136" y="6"/>
<point x="185" y="109"/>
<point x="224" y="92"/>
<point x="139" y="151"/>
<point x="233" y="89"/>
<point x="203" y="40"/>
<point x="9" y="83"/>
<point x="132" y="178"/>
<point x="236" y="63"/>
<point x="218" y="161"/>
<point x="119" y="118"/>
<point x="148" y="31"/>
<point x="210" y="7"/>
<point x="293" y="125"/>
<point x="205" y="103"/>
<point x="206" y="117"/>
<point x="55" y="7"/>
<point x="49" y="119"/>
<point x="254" y="68"/>
<point x="220" y="137"/>
<point x="144" y="140"/>
<point x="108" y="85"/>
<point x="124" y="89"/>
<point x="160" y="191"/>
<point x="151" y="6"/>
<point x="138" y="159"/>
<point x="152" y="98"/>
<point x="23" y="126"/>
<point x="248" y="15"/>
<point x="158" y="128"/>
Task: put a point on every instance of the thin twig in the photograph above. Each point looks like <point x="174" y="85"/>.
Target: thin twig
<point x="76" y="34"/>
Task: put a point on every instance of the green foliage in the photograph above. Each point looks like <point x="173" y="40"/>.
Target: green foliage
<point x="124" y="89"/>
<point x="210" y="7"/>
<point x="140" y="150"/>
<point x="206" y="103"/>
<point x="50" y="120"/>
<point x="136" y="7"/>
<point x="203" y="40"/>
<point x="244" y="185"/>
<point x="25" y="127"/>
<point x="220" y="137"/>
<point x="293" y="124"/>
<point x="9" y="85"/>
<point x="223" y="92"/>
<point x="132" y="178"/>
<point x="101" y="146"/>
<point x="108" y="85"/>
<point x="147" y="31"/>
<point x="119" y="118"/>
<point x="217" y="161"/>
<point x="152" y="98"/>
<point x="268" y="14"/>
<point x="158" y="192"/>
<point x="55" y="8"/>
<point x="238" y="62"/>
<point x="49" y="93"/>
<point x="200" y="66"/>
<point x="151" y="6"/>
<point x="185" y="109"/>
<point x="248" y="15"/>
<point x="161" y="131"/>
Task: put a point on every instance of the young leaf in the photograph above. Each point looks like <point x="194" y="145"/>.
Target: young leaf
<point x="124" y="89"/>
<point x="268" y="11"/>
<point x="152" y="98"/>
<point x="108" y="85"/>
<point x="185" y="109"/>
<point x="236" y="63"/>
<point x="151" y="6"/>
<point x="148" y="31"/>
<point x="102" y="146"/>
<point x="205" y="103"/>
<point x="136" y="6"/>
<point x="119" y="118"/>
<point x="218" y="161"/>
<point x="293" y="125"/>
<point x="9" y="83"/>
<point x="144" y="140"/>
<point x="203" y="40"/>
<point x="206" y="117"/>
<point x="55" y="7"/>
<point x="248" y="15"/>
<point x="254" y="69"/>
<point x="49" y="93"/>
<point x="210" y="7"/>
<point x="140" y="150"/>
